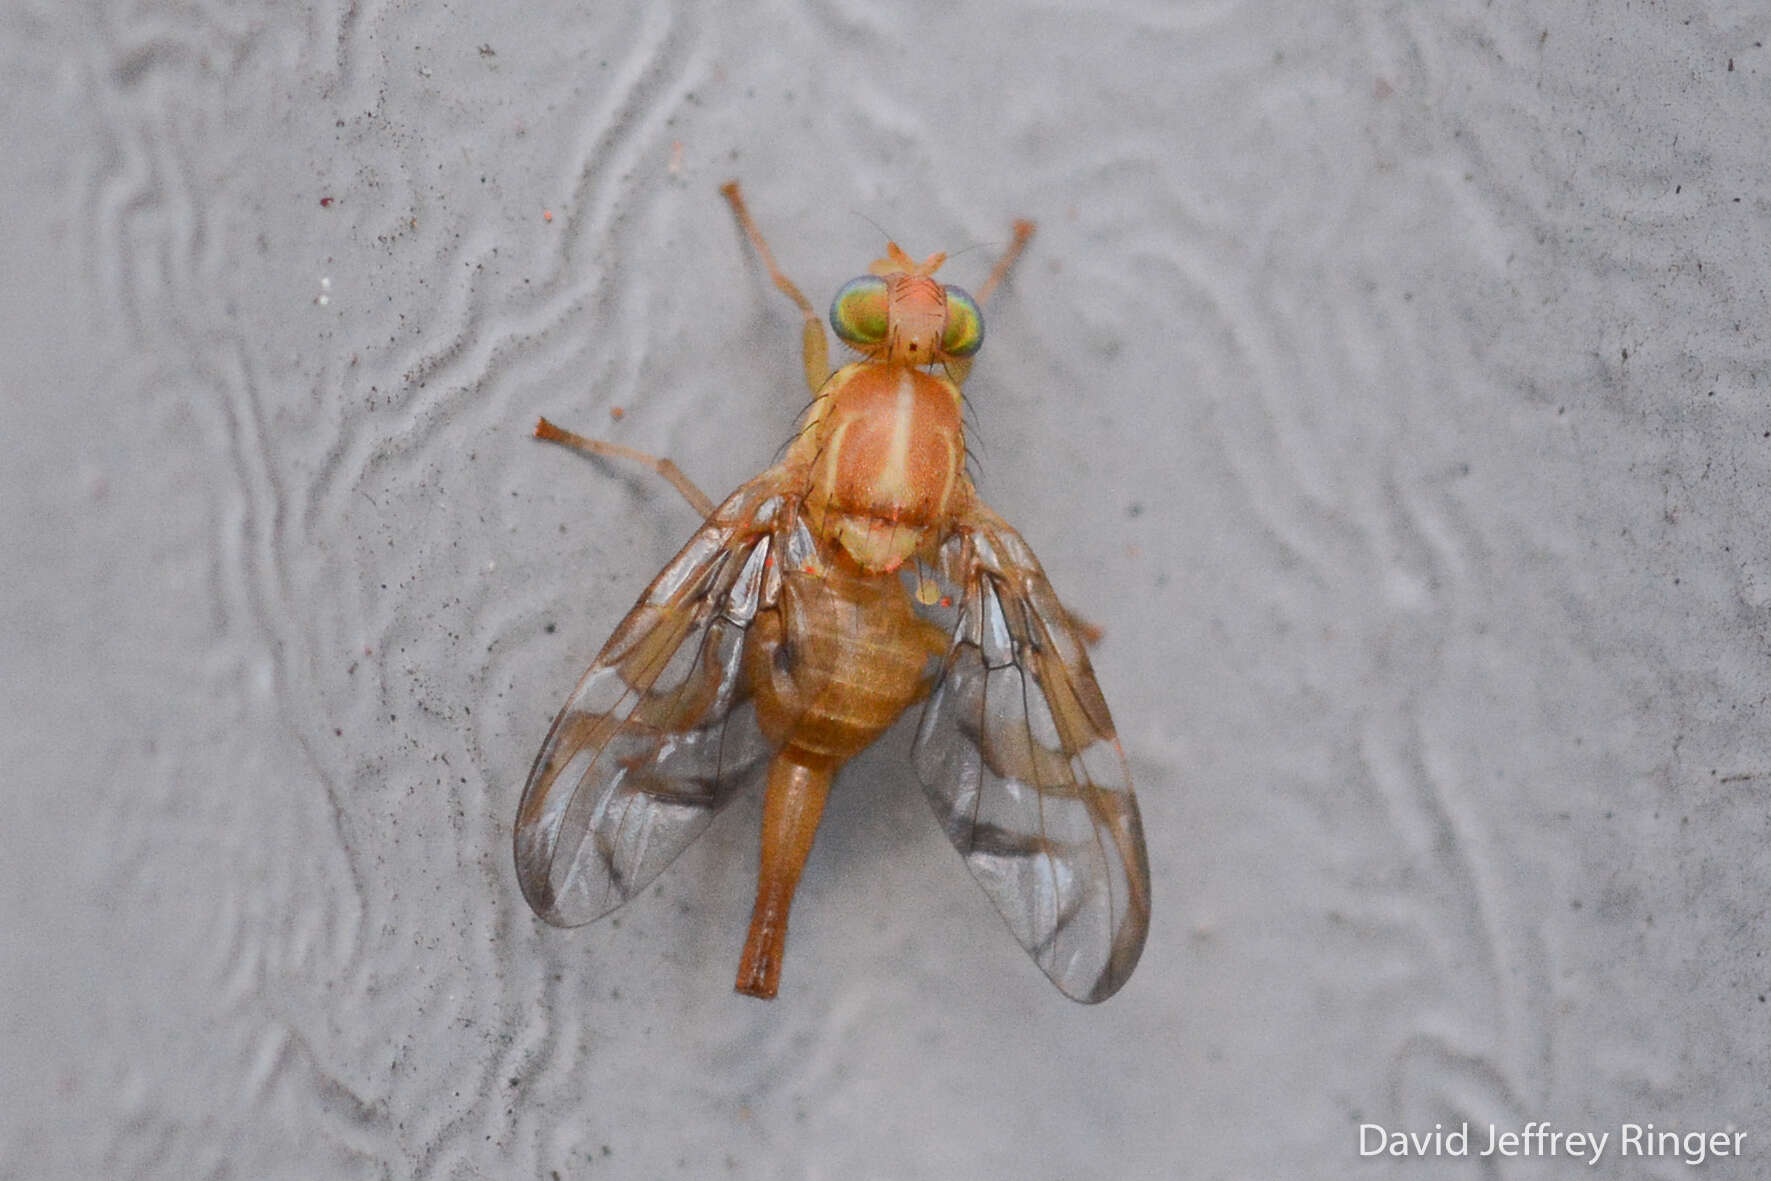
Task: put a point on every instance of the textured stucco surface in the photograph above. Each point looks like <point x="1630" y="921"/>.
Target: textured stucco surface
<point x="1389" y="380"/>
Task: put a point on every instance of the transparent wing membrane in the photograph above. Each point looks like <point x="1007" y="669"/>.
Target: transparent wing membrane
<point x="1018" y="757"/>
<point x="659" y="734"/>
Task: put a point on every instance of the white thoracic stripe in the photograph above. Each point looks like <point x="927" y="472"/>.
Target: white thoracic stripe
<point x="895" y="476"/>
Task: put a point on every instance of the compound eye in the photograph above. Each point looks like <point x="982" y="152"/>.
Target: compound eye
<point x="858" y="313"/>
<point x="964" y="330"/>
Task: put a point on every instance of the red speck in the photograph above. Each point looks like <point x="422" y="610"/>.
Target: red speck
<point x="946" y="600"/>
<point x="325" y="202"/>
<point x="547" y="215"/>
<point x="617" y="413"/>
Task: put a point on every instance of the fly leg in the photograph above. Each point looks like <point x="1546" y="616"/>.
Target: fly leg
<point x="1023" y="232"/>
<point x="1088" y="632"/>
<point x="960" y="368"/>
<point x="816" y="346"/>
<point x="697" y="499"/>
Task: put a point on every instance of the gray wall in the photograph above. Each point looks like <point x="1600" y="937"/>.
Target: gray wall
<point x="1390" y="381"/>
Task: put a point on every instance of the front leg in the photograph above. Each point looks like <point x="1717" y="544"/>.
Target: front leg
<point x="815" y="346"/>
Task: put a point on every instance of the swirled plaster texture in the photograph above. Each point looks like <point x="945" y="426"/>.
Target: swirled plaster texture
<point x="1390" y="382"/>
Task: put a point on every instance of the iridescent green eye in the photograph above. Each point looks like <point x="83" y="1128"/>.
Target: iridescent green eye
<point x="964" y="330"/>
<point x="858" y="313"/>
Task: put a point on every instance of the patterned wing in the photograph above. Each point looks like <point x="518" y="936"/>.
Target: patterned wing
<point x="1018" y="757"/>
<point x="660" y="733"/>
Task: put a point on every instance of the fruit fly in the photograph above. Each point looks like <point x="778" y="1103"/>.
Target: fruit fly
<point x="858" y="577"/>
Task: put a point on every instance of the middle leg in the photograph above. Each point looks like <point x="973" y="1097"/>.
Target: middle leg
<point x="699" y="500"/>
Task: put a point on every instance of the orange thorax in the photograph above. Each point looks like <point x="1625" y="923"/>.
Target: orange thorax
<point x="885" y="450"/>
